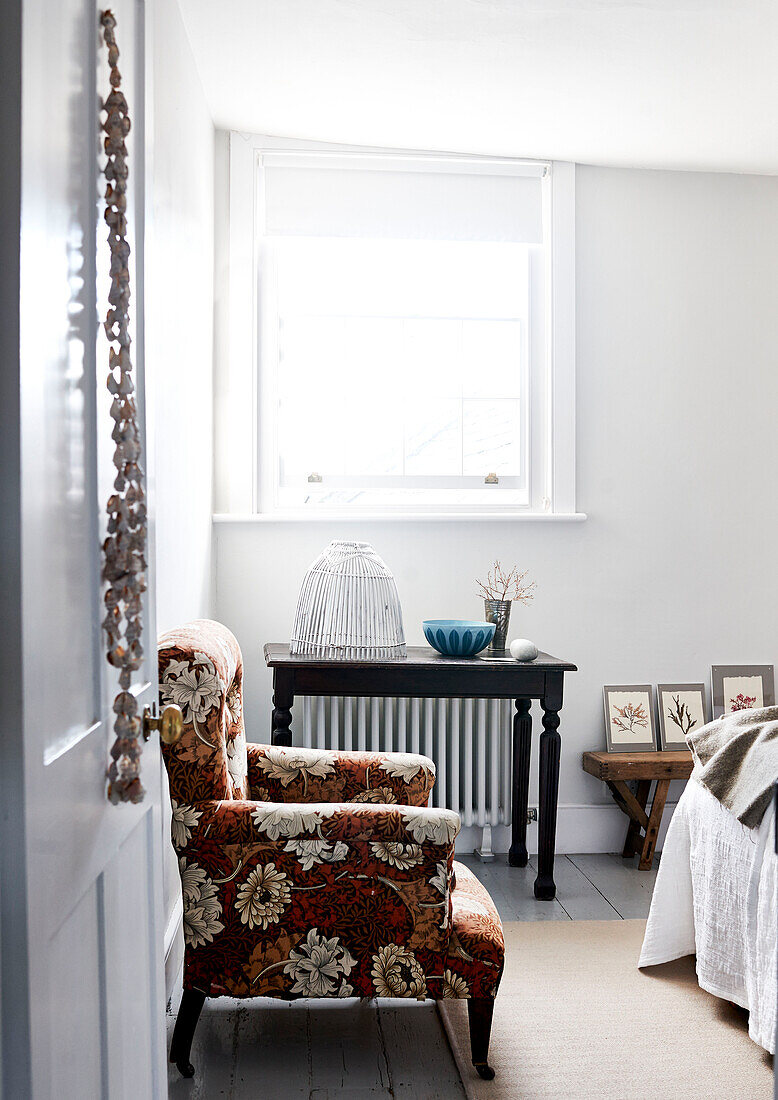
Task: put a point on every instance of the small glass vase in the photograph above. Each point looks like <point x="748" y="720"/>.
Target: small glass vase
<point x="499" y="613"/>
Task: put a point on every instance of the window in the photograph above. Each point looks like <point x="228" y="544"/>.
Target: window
<point x="406" y="344"/>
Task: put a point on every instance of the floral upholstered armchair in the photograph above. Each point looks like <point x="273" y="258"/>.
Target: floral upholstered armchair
<point x="308" y="872"/>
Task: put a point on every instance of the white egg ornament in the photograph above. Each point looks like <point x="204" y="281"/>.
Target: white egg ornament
<point x="523" y="650"/>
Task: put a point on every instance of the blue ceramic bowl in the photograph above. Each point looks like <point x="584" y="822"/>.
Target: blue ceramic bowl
<point x="458" y="637"/>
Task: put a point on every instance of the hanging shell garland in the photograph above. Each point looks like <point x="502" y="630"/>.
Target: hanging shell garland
<point x="124" y="550"/>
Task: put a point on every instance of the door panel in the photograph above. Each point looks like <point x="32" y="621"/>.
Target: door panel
<point x="130" y="952"/>
<point x="76" y="1001"/>
<point x="57" y="334"/>
<point x="94" y="963"/>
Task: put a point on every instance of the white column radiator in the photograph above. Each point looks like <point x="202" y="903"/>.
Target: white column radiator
<point x="469" y="740"/>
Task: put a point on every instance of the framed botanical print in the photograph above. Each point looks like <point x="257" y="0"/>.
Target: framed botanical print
<point x="682" y="708"/>
<point x="629" y="718"/>
<point x="741" y="687"/>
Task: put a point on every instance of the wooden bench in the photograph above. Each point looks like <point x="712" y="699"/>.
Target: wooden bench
<point x="617" y="769"/>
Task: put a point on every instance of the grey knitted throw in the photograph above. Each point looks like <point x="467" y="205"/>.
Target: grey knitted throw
<point x="739" y="758"/>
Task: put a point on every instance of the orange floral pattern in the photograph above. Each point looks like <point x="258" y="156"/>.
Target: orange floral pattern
<point x="310" y="872"/>
<point x="201" y="669"/>
<point x="320" y="775"/>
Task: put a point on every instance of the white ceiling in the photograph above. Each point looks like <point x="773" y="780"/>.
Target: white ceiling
<point x="659" y="83"/>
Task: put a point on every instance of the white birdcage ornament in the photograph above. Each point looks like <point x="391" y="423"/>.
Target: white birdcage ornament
<point x="348" y="608"/>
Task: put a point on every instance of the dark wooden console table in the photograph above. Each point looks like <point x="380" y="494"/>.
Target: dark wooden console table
<point x="425" y="674"/>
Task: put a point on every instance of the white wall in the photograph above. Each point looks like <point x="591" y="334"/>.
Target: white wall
<point x="180" y="320"/>
<point x="180" y="356"/>
<point x="675" y="568"/>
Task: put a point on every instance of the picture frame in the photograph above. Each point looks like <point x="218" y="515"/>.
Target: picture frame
<point x="682" y="708"/>
<point x="629" y="717"/>
<point x="740" y="687"/>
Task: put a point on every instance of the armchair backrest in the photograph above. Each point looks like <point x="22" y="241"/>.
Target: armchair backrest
<point x="201" y="669"/>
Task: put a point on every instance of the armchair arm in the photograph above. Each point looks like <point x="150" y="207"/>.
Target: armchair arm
<point x="298" y="866"/>
<point x="280" y="773"/>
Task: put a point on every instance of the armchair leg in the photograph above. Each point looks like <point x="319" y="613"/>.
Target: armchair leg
<point x="188" y="1014"/>
<point x="479" y="1011"/>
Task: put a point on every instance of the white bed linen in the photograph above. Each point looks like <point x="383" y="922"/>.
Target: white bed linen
<point x="715" y="896"/>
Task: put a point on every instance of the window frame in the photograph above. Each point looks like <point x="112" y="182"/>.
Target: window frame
<point x="551" y="404"/>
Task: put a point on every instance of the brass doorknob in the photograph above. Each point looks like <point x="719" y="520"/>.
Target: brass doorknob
<point x="170" y="724"/>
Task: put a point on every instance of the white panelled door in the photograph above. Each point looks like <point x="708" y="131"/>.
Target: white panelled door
<point x="92" y="964"/>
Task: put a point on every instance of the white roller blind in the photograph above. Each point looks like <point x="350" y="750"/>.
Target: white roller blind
<point x="370" y="200"/>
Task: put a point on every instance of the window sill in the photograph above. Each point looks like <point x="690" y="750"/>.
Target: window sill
<point x="392" y="517"/>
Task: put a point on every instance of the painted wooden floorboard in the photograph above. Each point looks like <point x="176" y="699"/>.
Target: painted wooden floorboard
<point x="213" y="1055"/>
<point x="577" y="895"/>
<point x="347" y="1052"/>
<point x="408" y="1029"/>
<point x="512" y="890"/>
<point x="626" y="888"/>
<point x="272" y="1050"/>
<point x="318" y="1050"/>
<point x="357" y="1050"/>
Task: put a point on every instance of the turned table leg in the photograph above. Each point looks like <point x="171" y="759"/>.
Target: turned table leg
<point x="283" y="699"/>
<point x="522" y="745"/>
<point x="550" y="741"/>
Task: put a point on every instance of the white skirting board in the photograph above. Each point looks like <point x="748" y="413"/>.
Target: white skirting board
<point x="580" y="830"/>
<point x="174" y="948"/>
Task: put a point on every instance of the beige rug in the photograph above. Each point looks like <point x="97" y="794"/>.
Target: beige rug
<point x="575" y="1019"/>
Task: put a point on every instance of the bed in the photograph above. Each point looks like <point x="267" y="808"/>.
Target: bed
<point x="715" y="896"/>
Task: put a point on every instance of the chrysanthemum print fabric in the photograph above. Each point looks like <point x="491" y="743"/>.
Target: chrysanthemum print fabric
<point x="284" y="774"/>
<point x="201" y="670"/>
<point x="306" y="872"/>
<point x="347" y="899"/>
